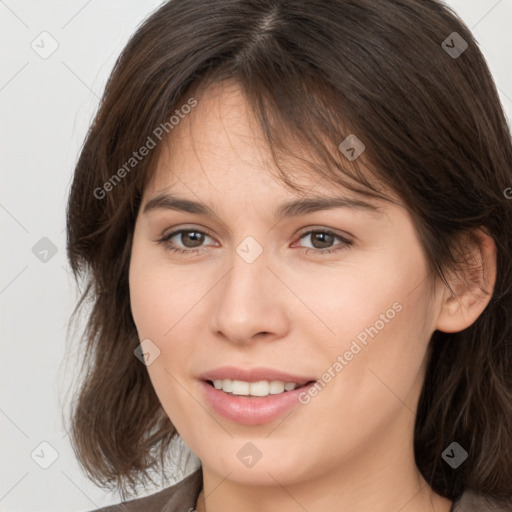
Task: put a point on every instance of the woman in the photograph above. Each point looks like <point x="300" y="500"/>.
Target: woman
<point x="293" y="223"/>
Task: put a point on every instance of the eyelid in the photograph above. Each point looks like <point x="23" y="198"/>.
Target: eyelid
<point x="344" y="241"/>
<point x="168" y="233"/>
<point x="305" y="231"/>
<point x="324" y="229"/>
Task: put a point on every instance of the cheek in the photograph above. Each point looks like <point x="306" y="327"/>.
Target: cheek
<point x="158" y="303"/>
<point x="164" y="304"/>
<point x="158" y="297"/>
<point x="374" y="291"/>
<point x="151" y="302"/>
<point x="379" y="320"/>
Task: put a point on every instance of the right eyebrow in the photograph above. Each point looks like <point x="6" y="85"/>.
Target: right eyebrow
<point x="292" y="208"/>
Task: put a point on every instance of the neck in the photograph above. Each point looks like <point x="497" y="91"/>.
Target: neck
<point x="379" y="478"/>
<point x="418" y="498"/>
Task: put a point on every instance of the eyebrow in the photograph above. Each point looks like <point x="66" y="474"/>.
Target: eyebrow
<point x="292" y="208"/>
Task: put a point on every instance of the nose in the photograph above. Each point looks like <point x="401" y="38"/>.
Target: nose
<point x="250" y="301"/>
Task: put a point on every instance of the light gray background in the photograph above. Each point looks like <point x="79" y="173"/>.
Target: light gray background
<point x="46" y="107"/>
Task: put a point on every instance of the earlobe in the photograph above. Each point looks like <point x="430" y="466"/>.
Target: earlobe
<point x="472" y="286"/>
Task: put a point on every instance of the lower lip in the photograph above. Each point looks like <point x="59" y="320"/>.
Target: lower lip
<point x="252" y="410"/>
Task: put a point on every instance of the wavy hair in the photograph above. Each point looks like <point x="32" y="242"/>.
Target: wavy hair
<point x="313" y="72"/>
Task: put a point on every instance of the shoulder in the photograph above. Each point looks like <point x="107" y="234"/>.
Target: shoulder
<point x="181" y="497"/>
<point x="473" y="502"/>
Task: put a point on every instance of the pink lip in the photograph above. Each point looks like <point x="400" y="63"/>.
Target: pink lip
<point x="255" y="410"/>
<point x="253" y="375"/>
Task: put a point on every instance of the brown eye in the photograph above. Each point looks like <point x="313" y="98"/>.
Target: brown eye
<point x="323" y="241"/>
<point x="184" y="241"/>
<point x="192" y="238"/>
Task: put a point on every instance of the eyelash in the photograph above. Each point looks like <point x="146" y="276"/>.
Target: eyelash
<point x="345" y="244"/>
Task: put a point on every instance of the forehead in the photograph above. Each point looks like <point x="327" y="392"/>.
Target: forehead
<point x="219" y="151"/>
<point x="219" y="141"/>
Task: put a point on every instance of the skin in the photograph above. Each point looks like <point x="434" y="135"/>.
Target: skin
<point x="352" y="444"/>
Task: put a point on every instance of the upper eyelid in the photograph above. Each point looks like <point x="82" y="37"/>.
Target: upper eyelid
<point x="301" y="234"/>
<point x="175" y="232"/>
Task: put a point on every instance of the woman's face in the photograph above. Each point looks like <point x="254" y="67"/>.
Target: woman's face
<point x="256" y="290"/>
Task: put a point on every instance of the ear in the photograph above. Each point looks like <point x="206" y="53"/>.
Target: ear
<point x="473" y="285"/>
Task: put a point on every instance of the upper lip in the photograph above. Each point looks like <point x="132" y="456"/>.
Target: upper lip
<point x="253" y="375"/>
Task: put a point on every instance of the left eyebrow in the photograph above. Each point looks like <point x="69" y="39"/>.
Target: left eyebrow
<point x="313" y="204"/>
<point x="292" y="208"/>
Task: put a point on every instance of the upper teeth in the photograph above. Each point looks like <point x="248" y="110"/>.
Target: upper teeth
<point x="260" y="388"/>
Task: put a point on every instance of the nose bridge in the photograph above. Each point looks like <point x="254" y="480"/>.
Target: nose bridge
<point x="246" y="282"/>
<point x="247" y="298"/>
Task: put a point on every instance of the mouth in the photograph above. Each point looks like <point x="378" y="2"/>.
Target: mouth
<point x="253" y="403"/>
<point x="258" y="389"/>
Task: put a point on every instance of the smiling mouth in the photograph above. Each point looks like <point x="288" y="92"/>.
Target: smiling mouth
<point x="264" y="395"/>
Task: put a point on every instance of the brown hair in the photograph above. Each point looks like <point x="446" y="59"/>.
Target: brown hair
<point x="314" y="71"/>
